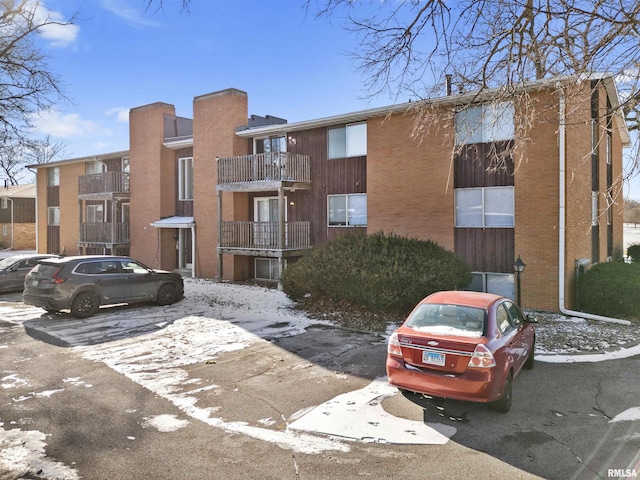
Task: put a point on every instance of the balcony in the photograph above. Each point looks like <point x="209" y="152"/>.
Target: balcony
<point x="104" y="233"/>
<point x="264" y="238"/>
<point x="103" y="185"/>
<point x="264" y="171"/>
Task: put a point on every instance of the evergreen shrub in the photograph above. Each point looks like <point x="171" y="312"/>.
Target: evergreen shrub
<point x="383" y="273"/>
<point x="611" y="290"/>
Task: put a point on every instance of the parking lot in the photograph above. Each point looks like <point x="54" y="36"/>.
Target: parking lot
<point x="232" y="382"/>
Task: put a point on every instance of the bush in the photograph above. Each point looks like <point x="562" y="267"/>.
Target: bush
<point x="611" y="290"/>
<point x="380" y="272"/>
<point x="634" y="252"/>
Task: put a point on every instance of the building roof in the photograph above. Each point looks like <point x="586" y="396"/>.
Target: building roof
<point x="19" y="191"/>
<point x="89" y="158"/>
<point x="458" y="99"/>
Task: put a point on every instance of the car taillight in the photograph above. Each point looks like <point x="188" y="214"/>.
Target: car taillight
<point x="482" y="357"/>
<point x="56" y="278"/>
<point x="394" y="346"/>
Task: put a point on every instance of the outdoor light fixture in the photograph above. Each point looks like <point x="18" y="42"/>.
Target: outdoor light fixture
<point x="518" y="267"/>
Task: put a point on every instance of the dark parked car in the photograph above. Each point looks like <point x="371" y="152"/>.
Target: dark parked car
<point x="13" y="270"/>
<point x="84" y="283"/>
<point x="462" y="345"/>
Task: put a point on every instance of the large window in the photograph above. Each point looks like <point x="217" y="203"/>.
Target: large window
<point x="267" y="269"/>
<point x="484" y="207"/>
<point x="348" y="141"/>
<point x="185" y="178"/>
<point x="53" y="176"/>
<point x="485" y="123"/>
<point x="348" y="210"/>
<point x="53" y="216"/>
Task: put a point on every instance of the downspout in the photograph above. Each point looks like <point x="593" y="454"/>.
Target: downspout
<point x="562" y="222"/>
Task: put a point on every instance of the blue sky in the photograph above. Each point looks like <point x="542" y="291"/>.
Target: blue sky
<point x="119" y="56"/>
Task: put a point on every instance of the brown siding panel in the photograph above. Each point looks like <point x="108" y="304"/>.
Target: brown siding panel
<point x="486" y="249"/>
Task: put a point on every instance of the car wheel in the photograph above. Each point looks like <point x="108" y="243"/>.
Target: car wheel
<point x="529" y="363"/>
<point x="84" y="305"/>
<point x="167" y="294"/>
<point x="503" y="404"/>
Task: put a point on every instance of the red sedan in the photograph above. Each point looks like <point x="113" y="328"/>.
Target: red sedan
<point x="462" y="345"/>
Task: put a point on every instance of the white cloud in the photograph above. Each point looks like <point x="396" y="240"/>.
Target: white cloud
<point x="132" y="12"/>
<point x="57" y="31"/>
<point x="121" y="113"/>
<point x="56" y="124"/>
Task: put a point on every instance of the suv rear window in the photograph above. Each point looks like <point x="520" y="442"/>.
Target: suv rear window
<point x="45" y="270"/>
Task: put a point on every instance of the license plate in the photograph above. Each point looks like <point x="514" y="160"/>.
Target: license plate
<point x="432" y="358"/>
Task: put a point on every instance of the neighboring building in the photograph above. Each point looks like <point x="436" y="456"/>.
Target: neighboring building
<point x="226" y="196"/>
<point x="18" y="217"/>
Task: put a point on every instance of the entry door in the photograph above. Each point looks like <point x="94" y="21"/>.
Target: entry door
<point x="266" y="216"/>
<point x="184" y="247"/>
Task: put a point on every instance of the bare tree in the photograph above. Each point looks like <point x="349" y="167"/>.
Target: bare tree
<point x="27" y="84"/>
<point x="15" y="156"/>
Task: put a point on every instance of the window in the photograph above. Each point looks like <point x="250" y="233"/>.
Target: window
<point x="95" y="167"/>
<point x="485" y="123"/>
<point x="4" y="202"/>
<point x="5" y="230"/>
<point x="95" y="213"/>
<point x="267" y="269"/>
<point x="348" y="210"/>
<point x="348" y="141"/>
<point x="594" y="208"/>
<point x="185" y="178"/>
<point x="496" y="283"/>
<point x="484" y="207"/>
<point x="53" y="216"/>
<point x="502" y="319"/>
<point x="125" y="164"/>
<point x="53" y="176"/>
<point x="271" y="145"/>
<point x="515" y="313"/>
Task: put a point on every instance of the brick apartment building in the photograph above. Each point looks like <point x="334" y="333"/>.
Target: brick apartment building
<point x="18" y="217"/>
<point x="225" y="195"/>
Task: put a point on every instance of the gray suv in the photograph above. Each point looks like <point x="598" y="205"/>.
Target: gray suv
<point x="84" y="283"/>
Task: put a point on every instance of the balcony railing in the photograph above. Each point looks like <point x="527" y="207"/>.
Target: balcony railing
<point x="104" y="232"/>
<point x="265" y="167"/>
<point x="107" y="182"/>
<point x="264" y="235"/>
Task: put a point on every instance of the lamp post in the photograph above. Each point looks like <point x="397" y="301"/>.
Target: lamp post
<point x="518" y="267"/>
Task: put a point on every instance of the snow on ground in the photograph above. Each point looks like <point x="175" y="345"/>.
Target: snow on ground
<point x="152" y="346"/>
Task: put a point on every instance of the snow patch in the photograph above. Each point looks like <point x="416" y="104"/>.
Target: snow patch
<point x="166" y="423"/>
<point x="629" y="415"/>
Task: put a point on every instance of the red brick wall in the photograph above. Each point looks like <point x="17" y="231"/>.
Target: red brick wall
<point x="24" y="236"/>
<point x="410" y="180"/>
<point x="153" y="186"/>
<point x="216" y="117"/>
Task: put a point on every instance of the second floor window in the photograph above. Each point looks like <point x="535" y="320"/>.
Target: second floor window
<point x="53" y="176"/>
<point x="484" y="207"/>
<point x="490" y="122"/>
<point x="53" y="216"/>
<point x="348" y="210"/>
<point x="185" y="178"/>
<point x="347" y="141"/>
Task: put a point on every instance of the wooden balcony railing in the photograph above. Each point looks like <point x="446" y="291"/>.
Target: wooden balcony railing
<point x="104" y="232"/>
<point x="107" y="182"/>
<point x="265" y="167"/>
<point x="264" y="235"/>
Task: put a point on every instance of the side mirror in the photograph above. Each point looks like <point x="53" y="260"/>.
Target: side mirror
<point x="530" y="319"/>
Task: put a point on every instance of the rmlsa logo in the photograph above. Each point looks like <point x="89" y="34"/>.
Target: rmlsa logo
<point x="622" y="473"/>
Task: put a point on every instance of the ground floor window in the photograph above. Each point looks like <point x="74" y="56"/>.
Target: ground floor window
<point x="347" y="210"/>
<point x="496" y="283"/>
<point x="267" y="269"/>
